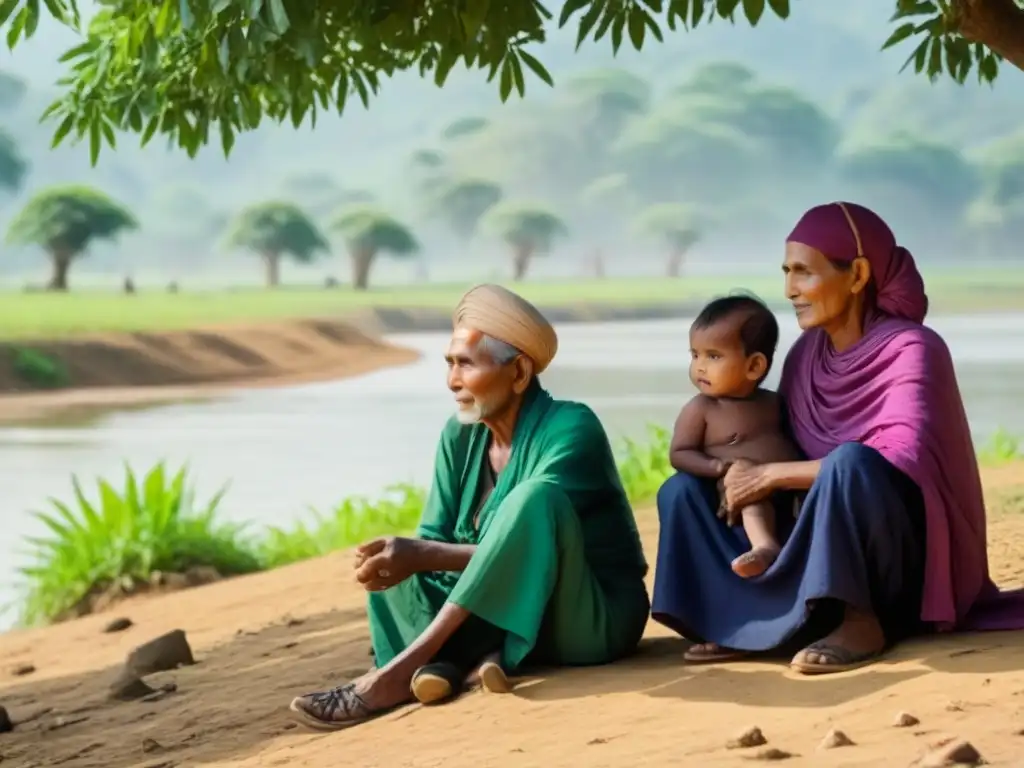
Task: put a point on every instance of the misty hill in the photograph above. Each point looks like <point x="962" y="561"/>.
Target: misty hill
<point x="827" y="54"/>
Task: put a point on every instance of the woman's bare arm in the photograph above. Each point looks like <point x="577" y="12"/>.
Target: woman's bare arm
<point x="441" y="556"/>
<point x="792" y="475"/>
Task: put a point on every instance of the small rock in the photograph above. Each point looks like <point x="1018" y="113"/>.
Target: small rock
<point x="952" y="752"/>
<point x="198" y="575"/>
<point x="955" y="706"/>
<point x="119" y="624"/>
<point x="63" y="722"/>
<point x="6" y="726"/>
<point x="160" y="654"/>
<point x="151" y="745"/>
<point x="128" y="687"/>
<point x="773" y="753"/>
<point x="905" y="720"/>
<point x="162" y="692"/>
<point x="751" y="737"/>
<point x="835" y="738"/>
<point x="23" y="669"/>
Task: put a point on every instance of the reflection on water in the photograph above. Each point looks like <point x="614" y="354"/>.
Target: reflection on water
<point x="283" y="450"/>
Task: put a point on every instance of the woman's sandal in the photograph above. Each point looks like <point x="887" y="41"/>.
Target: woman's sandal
<point x="436" y="682"/>
<point x="318" y="710"/>
<point x="838" y="659"/>
<point x="711" y="653"/>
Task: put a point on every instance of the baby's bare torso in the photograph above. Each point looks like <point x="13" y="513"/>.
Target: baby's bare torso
<point x="750" y="428"/>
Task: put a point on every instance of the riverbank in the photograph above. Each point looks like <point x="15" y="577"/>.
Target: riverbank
<point x="260" y="640"/>
<point x="71" y="378"/>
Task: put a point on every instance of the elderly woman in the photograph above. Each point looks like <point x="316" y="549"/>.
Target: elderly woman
<point x="890" y="538"/>
<point x="527" y="546"/>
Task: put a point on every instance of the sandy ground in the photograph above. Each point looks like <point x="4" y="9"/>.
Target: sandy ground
<point x="259" y="640"/>
<point x="134" y="370"/>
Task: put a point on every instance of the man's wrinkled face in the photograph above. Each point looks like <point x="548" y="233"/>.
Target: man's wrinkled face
<point x="482" y="388"/>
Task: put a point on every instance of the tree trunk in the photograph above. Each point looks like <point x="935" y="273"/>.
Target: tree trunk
<point x="999" y="24"/>
<point x="362" y="259"/>
<point x="272" y="269"/>
<point x="521" y="255"/>
<point x="676" y="257"/>
<point x="60" y="263"/>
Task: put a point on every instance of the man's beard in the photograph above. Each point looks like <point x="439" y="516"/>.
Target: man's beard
<point x="479" y="411"/>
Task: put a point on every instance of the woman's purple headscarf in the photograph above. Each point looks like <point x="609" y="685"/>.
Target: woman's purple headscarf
<point x="895" y="391"/>
<point x="844" y="231"/>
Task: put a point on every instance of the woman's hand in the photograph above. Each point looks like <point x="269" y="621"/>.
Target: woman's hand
<point x="744" y="483"/>
<point x="382" y="563"/>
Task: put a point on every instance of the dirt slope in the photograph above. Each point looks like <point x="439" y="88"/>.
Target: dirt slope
<point x="118" y="370"/>
<point x="262" y="639"/>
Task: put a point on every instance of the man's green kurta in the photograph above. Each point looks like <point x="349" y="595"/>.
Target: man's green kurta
<point x="558" y="567"/>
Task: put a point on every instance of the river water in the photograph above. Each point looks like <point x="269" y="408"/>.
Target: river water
<point x="287" y="449"/>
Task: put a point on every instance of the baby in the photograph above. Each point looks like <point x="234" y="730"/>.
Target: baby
<point x="732" y="343"/>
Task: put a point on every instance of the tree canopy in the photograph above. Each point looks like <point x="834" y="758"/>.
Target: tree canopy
<point x="190" y="69"/>
<point x="13" y="166"/>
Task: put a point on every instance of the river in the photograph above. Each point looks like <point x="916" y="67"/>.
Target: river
<point x="286" y="449"/>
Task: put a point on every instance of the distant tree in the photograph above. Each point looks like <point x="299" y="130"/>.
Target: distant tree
<point x="369" y="232"/>
<point x="464" y="126"/>
<point x="604" y="100"/>
<point x="996" y="217"/>
<point x="320" y="194"/>
<point x="462" y="203"/>
<point x="13" y="166"/>
<point x="718" y="77"/>
<point x="64" y="221"/>
<point x="12" y="91"/>
<point x="530" y="230"/>
<point x="675" y="226"/>
<point x="274" y="230"/>
<point x="929" y="184"/>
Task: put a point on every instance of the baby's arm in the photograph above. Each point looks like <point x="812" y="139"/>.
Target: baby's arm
<point x="686" y="453"/>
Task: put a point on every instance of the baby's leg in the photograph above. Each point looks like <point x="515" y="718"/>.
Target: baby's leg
<point x="759" y="524"/>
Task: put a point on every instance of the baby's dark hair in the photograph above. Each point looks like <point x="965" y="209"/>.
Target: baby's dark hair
<point x="759" y="331"/>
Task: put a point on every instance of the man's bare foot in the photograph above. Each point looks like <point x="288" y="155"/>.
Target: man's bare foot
<point x="352" y="703"/>
<point x="710" y="653"/>
<point x="856" y="642"/>
<point x="489" y="675"/>
<point x="755" y="562"/>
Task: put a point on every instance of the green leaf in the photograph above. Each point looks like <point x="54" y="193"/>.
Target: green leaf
<point x="95" y="140"/>
<point x="637" y="26"/>
<point x="7" y="8"/>
<point x="726" y="8"/>
<point x="279" y="17"/>
<point x="902" y="33"/>
<point x="570" y="8"/>
<point x="753" y="10"/>
<point x="185" y="14"/>
<point x="505" y="83"/>
<point x="588" y="21"/>
<point x="16" y="27"/>
<point x="780" y="8"/>
<point x="536" y="67"/>
<point x="62" y="130"/>
<point x="618" y="27"/>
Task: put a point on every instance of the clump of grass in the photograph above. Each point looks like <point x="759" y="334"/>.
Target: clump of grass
<point x="644" y="466"/>
<point x="39" y="370"/>
<point x="123" y="537"/>
<point x="349" y="523"/>
<point x="1001" y="448"/>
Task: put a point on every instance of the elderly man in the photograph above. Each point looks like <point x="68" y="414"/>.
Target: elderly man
<point x="527" y="548"/>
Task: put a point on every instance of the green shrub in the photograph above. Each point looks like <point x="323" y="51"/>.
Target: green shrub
<point x="351" y="522"/>
<point x="123" y="538"/>
<point x="1002" y="447"/>
<point x="643" y="467"/>
<point x="39" y="370"/>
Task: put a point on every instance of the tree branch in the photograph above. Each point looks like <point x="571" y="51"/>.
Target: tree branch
<point x="998" y="24"/>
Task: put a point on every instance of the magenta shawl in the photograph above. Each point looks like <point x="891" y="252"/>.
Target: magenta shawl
<point x="895" y="390"/>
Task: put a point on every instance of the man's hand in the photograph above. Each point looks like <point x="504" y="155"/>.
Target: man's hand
<point x="382" y="563"/>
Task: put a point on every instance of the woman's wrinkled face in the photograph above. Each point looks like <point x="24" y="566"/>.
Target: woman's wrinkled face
<point x="482" y="388"/>
<point x="821" y="293"/>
